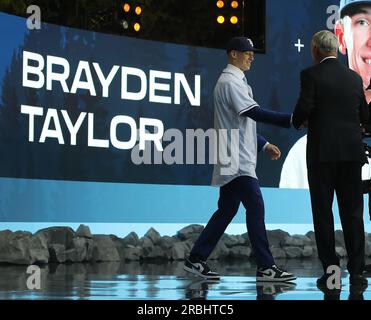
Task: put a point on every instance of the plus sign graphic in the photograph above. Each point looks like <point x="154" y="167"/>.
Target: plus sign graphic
<point x="299" y="45"/>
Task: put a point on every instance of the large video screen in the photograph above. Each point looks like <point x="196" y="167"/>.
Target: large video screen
<point x="85" y="106"/>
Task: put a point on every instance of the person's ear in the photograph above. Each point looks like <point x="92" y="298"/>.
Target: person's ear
<point x="315" y="54"/>
<point x="339" y="32"/>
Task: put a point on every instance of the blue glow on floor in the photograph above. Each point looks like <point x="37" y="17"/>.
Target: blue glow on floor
<point x="168" y="281"/>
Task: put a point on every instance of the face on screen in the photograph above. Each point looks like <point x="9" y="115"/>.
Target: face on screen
<point x="355" y="40"/>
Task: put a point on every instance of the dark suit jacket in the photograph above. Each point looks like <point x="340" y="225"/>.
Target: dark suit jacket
<point x="332" y="100"/>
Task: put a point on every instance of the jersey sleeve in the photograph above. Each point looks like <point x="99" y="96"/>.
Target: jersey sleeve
<point x="241" y="101"/>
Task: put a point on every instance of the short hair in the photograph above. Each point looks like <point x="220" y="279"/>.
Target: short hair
<point x="326" y="41"/>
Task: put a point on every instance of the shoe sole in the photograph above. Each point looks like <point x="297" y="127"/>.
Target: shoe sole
<point x="200" y="274"/>
<point x="260" y="279"/>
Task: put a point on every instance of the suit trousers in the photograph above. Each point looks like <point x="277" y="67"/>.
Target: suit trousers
<point x="343" y="178"/>
<point x="246" y="190"/>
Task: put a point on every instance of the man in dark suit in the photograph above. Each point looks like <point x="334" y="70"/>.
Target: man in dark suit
<point x="332" y="105"/>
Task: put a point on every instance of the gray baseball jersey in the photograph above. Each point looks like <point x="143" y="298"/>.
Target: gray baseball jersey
<point x="237" y="139"/>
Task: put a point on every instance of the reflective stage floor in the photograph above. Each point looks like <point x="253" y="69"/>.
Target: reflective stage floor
<point x="168" y="281"/>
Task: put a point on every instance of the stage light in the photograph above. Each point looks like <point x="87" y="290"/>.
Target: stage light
<point x="229" y="13"/>
<point x="234" y="4"/>
<point x="220" y="19"/>
<point x="131" y="16"/>
<point x="137" y="27"/>
<point x="138" y="10"/>
<point x="234" y="20"/>
<point x="125" y="24"/>
<point x="126" y="7"/>
<point x="220" y="4"/>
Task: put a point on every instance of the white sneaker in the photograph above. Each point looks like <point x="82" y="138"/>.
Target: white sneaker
<point x="201" y="269"/>
<point x="274" y="274"/>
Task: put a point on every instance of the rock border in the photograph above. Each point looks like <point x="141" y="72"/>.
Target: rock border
<point x="64" y="245"/>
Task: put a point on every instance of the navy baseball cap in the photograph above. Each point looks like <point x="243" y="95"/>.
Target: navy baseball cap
<point x="240" y="44"/>
<point x="347" y="4"/>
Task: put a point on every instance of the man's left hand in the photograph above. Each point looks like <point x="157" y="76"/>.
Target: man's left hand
<point x="273" y="151"/>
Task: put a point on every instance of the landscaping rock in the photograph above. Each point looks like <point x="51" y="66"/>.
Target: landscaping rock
<point x="293" y="252"/>
<point x="278" y="253"/>
<point x="296" y="241"/>
<point x="220" y="252"/>
<point x="132" y="253"/>
<point x="179" y="251"/>
<point x="342" y="253"/>
<point x="131" y="239"/>
<point x="57" y="253"/>
<point x="166" y="242"/>
<point x="83" y="231"/>
<point x="22" y="248"/>
<point x="63" y="245"/>
<point x="276" y="237"/>
<point x="231" y="240"/>
<point x="105" y="249"/>
<point x="58" y="235"/>
<point x="192" y="230"/>
<point x="311" y="236"/>
<point x="307" y="251"/>
<point x="83" y="250"/>
<point x="153" y="235"/>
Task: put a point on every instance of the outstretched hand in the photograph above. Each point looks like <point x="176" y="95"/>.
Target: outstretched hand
<point x="304" y="125"/>
<point x="273" y="151"/>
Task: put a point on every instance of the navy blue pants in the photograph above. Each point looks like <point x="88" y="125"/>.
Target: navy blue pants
<point x="246" y="190"/>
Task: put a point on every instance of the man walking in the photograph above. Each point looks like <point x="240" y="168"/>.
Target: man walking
<point x="236" y="113"/>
